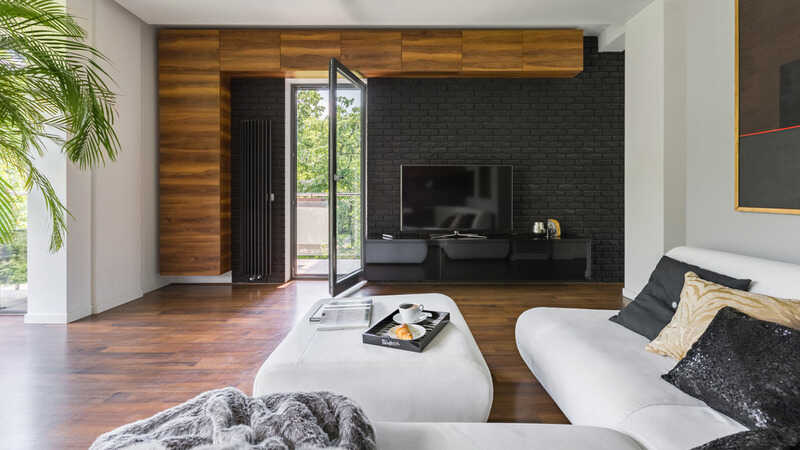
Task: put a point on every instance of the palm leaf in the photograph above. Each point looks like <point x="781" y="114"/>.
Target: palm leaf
<point x="7" y="219"/>
<point x="51" y="81"/>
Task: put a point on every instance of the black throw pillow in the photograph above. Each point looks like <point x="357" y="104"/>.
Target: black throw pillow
<point x="745" y="368"/>
<point x="766" y="439"/>
<point x="654" y="307"/>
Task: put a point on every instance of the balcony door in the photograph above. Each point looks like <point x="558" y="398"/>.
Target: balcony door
<point x="347" y="147"/>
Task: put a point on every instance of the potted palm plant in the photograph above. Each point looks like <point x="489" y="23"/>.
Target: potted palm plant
<point x="53" y="88"/>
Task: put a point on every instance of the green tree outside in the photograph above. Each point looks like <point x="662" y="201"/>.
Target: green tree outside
<point x="14" y="262"/>
<point x="312" y="160"/>
<point x="14" y="256"/>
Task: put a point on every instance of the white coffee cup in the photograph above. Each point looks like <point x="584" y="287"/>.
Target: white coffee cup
<point x="411" y="312"/>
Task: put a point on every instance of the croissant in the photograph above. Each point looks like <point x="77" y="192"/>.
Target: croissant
<point x="404" y="333"/>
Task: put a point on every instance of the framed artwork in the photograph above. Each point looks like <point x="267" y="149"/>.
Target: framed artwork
<point x="768" y="106"/>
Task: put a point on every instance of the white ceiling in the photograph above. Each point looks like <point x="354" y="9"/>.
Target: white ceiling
<point x="591" y="15"/>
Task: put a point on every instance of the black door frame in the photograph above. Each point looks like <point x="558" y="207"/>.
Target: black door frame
<point x="335" y="285"/>
<point x="293" y="178"/>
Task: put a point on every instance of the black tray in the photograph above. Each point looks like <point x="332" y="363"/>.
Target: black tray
<point x="378" y="334"/>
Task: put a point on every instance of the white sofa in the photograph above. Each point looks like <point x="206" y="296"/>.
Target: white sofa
<point x="600" y="375"/>
<point x="491" y="436"/>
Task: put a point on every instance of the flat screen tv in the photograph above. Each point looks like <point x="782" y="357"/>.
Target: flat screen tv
<point x="456" y="198"/>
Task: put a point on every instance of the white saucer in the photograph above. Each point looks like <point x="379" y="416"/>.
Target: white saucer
<point x="420" y="318"/>
<point x="417" y="331"/>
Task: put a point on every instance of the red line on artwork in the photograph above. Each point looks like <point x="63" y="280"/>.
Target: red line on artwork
<point x="770" y="131"/>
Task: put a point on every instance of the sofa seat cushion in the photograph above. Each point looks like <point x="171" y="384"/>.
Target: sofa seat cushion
<point x="599" y="374"/>
<point x="678" y="427"/>
<point x="464" y="436"/>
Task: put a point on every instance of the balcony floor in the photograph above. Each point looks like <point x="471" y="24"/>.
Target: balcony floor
<point x="319" y="267"/>
<point x="13" y="300"/>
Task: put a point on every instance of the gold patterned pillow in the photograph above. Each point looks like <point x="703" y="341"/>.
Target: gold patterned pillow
<point x="700" y="301"/>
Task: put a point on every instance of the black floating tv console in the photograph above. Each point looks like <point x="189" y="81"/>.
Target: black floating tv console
<point x="494" y="259"/>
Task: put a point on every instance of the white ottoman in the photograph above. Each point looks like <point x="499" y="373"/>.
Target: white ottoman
<point x="448" y="382"/>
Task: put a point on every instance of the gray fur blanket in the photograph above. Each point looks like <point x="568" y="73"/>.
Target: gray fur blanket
<point x="227" y="419"/>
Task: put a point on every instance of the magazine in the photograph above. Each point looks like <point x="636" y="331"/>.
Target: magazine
<point x="338" y="314"/>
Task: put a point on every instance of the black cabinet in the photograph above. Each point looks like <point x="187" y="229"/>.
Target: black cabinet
<point x="464" y="260"/>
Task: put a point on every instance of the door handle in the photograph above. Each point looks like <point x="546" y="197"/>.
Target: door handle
<point x="336" y="177"/>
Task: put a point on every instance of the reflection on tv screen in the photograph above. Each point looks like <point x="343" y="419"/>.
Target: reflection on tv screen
<point x="465" y="198"/>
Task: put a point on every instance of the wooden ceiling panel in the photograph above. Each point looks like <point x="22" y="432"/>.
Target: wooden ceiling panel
<point x="309" y="50"/>
<point x="250" y="50"/>
<point x="552" y="51"/>
<point x="492" y="50"/>
<point x="432" y="51"/>
<point x="372" y="52"/>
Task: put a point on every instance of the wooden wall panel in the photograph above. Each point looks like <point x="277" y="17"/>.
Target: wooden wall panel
<point x="191" y="160"/>
<point x="250" y="50"/>
<point x="431" y="51"/>
<point x="192" y="50"/>
<point x="225" y="174"/>
<point x="552" y="52"/>
<point x="372" y="53"/>
<point x="491" y="50"/>
<point x="308" y="50"/>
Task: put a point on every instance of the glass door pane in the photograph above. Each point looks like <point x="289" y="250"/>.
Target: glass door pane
<point x="310" y="151"/>
<point x="347" y="150"/>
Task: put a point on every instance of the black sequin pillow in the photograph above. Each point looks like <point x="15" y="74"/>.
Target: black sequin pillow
<point x="745" y="368"/>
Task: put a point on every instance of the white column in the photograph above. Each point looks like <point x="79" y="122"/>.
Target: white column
<point x="655" y="138"/>
<point x="644" y="145"/>
<point x="59" y="284"/>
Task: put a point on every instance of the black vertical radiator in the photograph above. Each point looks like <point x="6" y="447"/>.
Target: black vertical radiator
<point x="255" y="201"/>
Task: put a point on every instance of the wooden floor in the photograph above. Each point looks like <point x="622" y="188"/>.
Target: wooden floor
<point x="61" y="386"/>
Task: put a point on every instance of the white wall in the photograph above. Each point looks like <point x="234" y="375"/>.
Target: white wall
<point x="111" y="253"/>
<point x="655" y="138"/>
<point x="644" y="145"/>
<point x="712" y="220"/>
<point x="117" y="186"/>
<point x="674" y="177"/>
<point x="78" y="244"/>
<point x="150" y="278"/>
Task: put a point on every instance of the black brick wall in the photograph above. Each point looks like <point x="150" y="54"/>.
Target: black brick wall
<point x="257" y="98"/>
<point x="564" y="138"/>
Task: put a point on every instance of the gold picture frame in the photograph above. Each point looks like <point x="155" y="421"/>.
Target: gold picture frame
<point x="738" y="206"/>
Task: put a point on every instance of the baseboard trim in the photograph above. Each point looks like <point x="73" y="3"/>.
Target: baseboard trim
<point x="629" y="294"/>
<point x="46" y="319"/>
<point x="226" y="277"/>
<point x="80" y="313"/>
<point x="111" y="304"/>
